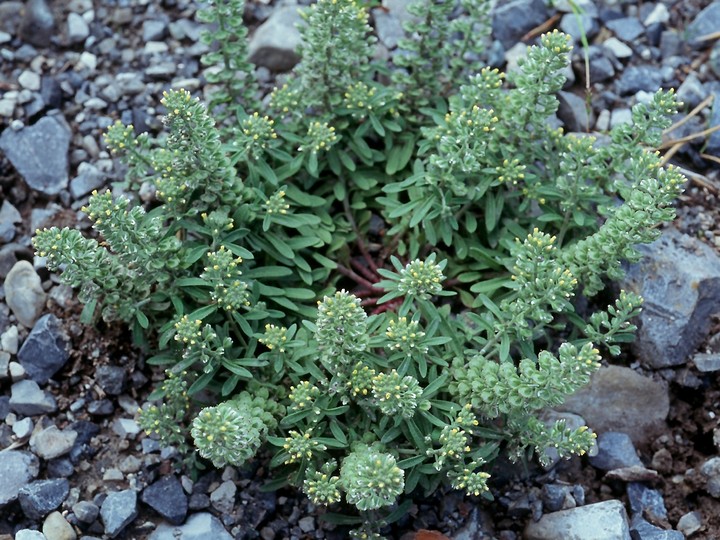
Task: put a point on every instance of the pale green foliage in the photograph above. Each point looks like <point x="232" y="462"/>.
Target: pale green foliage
<point x="371" y="479"/>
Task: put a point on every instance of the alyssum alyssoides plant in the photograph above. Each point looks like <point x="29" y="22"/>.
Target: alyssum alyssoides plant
<point x="460" y="224"/>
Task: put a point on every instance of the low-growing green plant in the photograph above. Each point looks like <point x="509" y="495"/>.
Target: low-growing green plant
<point x="443" y="227"/>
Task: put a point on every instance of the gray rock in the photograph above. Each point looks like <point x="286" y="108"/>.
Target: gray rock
<point x="670" y="43"/>
<point x="85" y="511"/>
<point x="513" y="19"/>
<point x="274" y="43"/>
<point x="9" y="216"/>
<point x="573" y="111"/>
<point x="692" y="91"/>
<point x="167" y="498"/>
<point x="17" y="469"/>
<point x="610" y="403"/>
<point x="127" y="428"/>
<point x="9" y="340"/>
<point x="706" y="22"/>
<point x="620" y="116"/>
<point x="4" y="407"/>
<point x="38" y="24"/>
<point x="130" y="83"/>
<point x="643" y="530"/>
<point x="55" y="527"/>
<point x="23" y="428"/>
<point x="101" y="407"/>
<point x="707" y="362"/>
<point x="600" y="521"/>
<point x="690" y="523"/>
<point x="24" y="293"/>
<point x="644" y="500"/>
<point x="198" y="527"/>
<point x="713" y="142"/>
<point x="615" y="451"/>
<point x="4" y="365"/>
<point x="659" y="14"/>
<point x="77" y="29"/>
<point x="388" y="27"/>
<point x="28" y="399"/>
<point x="60" y="468"/>
<point x="154" y="30"/>
<point x="711" y="471"/>
<point x="48" y="174"/>
<point x="636" y="78"/>
<point x="45" y="350"/>
<point x="557" y="497"/>
<point x="626" y="28"/>
<point x="29" y="534"/>
<point x="111" y="379"/>
<point x="679" y="278"/>
<point x="576" y="25"/>
<point x="223" y="498"/>
<point x="52" y="442"/>
<point x="29" y="80"/>
<point x="41" y="497"/>
<point x="118" y="510"/>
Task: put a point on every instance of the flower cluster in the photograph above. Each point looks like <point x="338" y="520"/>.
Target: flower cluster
<point x="217" y="222"/>
<point x="255" y="134"/>
<point x="200" y="343"/>
<point x="361" y="380"/>
<point x="276" y="203"/>
<point x="320" y="137"/>
<point x="275" y="337"/>
<point x="301" y="446"/>
<point x="371" y="479"/>
<point x="422" y="279"/>
<point x="222" y="271"/>
<point x="285" y="100"/>
<point x="321" y="486"/>
<point x="405" y="335"/>
<point x="166" y="420"/>
<point x="511" y="171"/>
<point x="341" y="327"/>
<point x="303" y="396"/>
<point x="394" y="394"/>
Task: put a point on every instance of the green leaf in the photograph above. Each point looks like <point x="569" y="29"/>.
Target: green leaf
<point x="337" y="431"/>
<point x="142" y="319"/>
<point x="377" y="126"/>
<point x="191" y="282"/>
<point x="88" y="311"/>
<point x="266" y="172"/>
<point x="432" y="388"/>
<point x="399" y="156"/>
<point x="202" y="312"/>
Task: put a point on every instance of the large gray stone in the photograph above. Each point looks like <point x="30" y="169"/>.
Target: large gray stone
<point x="200" y="526"/>
<point x="52" y="442"/>
<point x="24" y="293"/>
<point x="45" y="350"/>
<point x="600" y="521"/>
<point x="119" y="510"/>
<point x="615" y="451"/>
<point x="274" y="43"/>
<point x="17" y="469"/>
<point x="28" y="399"/>
<point x="647" y="531"/>
<point x="611" y="402"/>
<point x="706" y="22"/>
<point x="38" y="24"/>
<point x="40" y="153"/>
<point x="167" y="498"/>
<point x="679" y="278"/>
<point x="41" y="497"/>
<point x="512" y="20"/>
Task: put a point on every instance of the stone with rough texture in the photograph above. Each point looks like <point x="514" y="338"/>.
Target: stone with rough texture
<point x="167" y="498"/>
<point x="40" y="498"/>
<point x="711" y="471"/>
<point x="636" y="78"/>
<point x="679" y="278"/>
<point x="707" y="363"/>
<point x="86" y="511"/>
<point x="111" y="379"/>
<point x="38" y="23"/>
<point x="574" y="113"/>
<point x="706" y="22"/>
<point x="28" y="399"/>
<point x="615" y="451"/>
<point x="52" y="442"/>
<point x="9" y="216"/>
<point x="274" y="42"/>
<point x="713" y="142"/>
<point x="626" y="28"/>
<point x="600" y="521"/>
<point x="77" y="29"/>
<point x="512" y="20"/>
<point x="610" y="403"/>
<point x="118" y="510"/>
<point x="223" y="498"/>
<point x="45" y="350"/>
<point x="29" y="534"/>
<point x="690" y="523"/>
<point x="200" y="526"/>
<point x="24" y="293"/>
<point x="55" y="527"/>
<point x="49" y="173"/>
<point x="646" y="531"/>
<point x="646" y="501"/>
<point x="17" y="469"/>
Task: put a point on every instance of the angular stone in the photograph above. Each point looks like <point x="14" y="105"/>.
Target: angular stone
<point x="610" y="403"/>
<point x="646" y="501"/>
<point x="202" y="526"/>
<point x="707" y="363"/>
<point x="118" y="510"/>
<point x="24" y="293"/>
<point x="574" y="113"/>
<point x="636" y="78"/>
<point x="167" y="498"/>
<point x="52" y="442"/>
<point x="40" y="498"/>
<point x="111" y="379"/>
<point x="28" y="399"/>
<point x="17" y="469"/>
<point x="600" y="521"/>
<point x="56" y="527"/>
<point x="646" y="531"/>
<point x="85" y="511"/>
<point x="223" y="498"/>
<point x="48" y="174"/>
<point x="45" y="350"/>
<point x="9" y="216"/>
<point x="38" y="23"/>
<point x="512" y="20"/>
<point x="679" y="278"/>
<point x="706" y="22"/>
<point x="77" y="29"/>
<point x="615" y="450"/>
<point x="626" y="28"/>
<point x="274" y="43"/>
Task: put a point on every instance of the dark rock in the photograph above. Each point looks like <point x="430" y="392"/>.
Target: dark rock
<point x="118" y="510"/>
<point x="101" y="407"/>
<point x="167" y="498"/>
<point x="9" y="216"/>
<point x="40" y="498"/>
<point x="274" y="43"/>
<point x="60" y="468"/>
<point x="88" y="179"/>
<point x="573" y="111"/>
<point x="4" y="407"/>
<point x="17" y="469"/>
<point x="48" y="175"/>
<point x="654" y="33"/>
<point x="713" y="142"/>
<point x="679" y="278"/>
<point x="575" y="28"/>
<point x="154" y="30"/>
<point x="29" y="400"/>
<point x="513" y="19"/>
<point x="45" y="350"/>
<point x="111" y="379"/>
<point x="644" y="499"/>
<point x="706" y="22"/>
<point x="198" y="501"/>
<point x="636" y="78"/>
<point x="692" y="91"/>
<point x="86" y="511"/>
<point x="38" y="25"/>
<point x="626" y="28"/>
<point x="615" y="450"/>
<point x="669" y="43"/>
